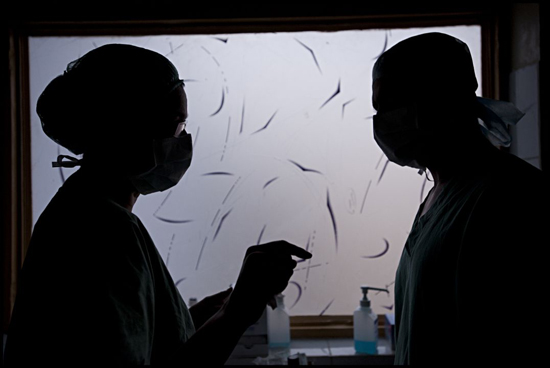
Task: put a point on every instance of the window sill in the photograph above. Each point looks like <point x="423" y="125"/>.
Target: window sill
<point x="325" y="351"/>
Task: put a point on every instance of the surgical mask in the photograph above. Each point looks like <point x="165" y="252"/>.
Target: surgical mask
<point x="172" y="159"/>
<point x="397" y="133"/>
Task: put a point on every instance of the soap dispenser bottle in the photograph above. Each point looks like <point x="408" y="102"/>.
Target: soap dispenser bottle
<point x="278" y="325"/>
<point x="365" y="325"/>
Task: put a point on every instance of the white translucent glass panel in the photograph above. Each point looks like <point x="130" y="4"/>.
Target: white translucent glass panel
<point x="283" y="149"/>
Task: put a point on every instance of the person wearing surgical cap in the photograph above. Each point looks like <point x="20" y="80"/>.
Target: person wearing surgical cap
<point x="93" y="289"/>
<point x="469" y="270"/>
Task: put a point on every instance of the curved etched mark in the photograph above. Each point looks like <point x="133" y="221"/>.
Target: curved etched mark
<point x="200" y="254"/>
<point x="242" y="118"/>
<point x="224" y="40"/>
<point x="221" y="223"/>
<point x="261" y="234"/>
<point x="383" y="171"/>
<point x="365" y="196"/>
<point x="307" y="249"/>
<point x="383" y="48"/>
<point x="228" y="128"/>
<point x="382" y="253"/>
<point x="226" y="138"/>
<point x="221" y="104"/>
<point x="163" y="202"/>
<point x="329" y="206"/>
<point x="270" y="181"/>
<point x="172" y="50"/>
<point x="170" y="249"/>
<point x="217" y="63"/>
<point x="379" y="161"/>
<point x="267" y="124"/>
<point x="305" y="169"/>
<point x="215" y="217"/>
<point x="170" y="221"/>
<point x="214" y="173"/>
<point x="312" y="54"/>
<point x="327" y="307"/>
<point x="345" y="104"/>
<point x="388" y="307"/>
<point x="299" y="293"/>
<point x="308" y="267"/>
<point x="179" y="281"/>
<point x="333" y="95"/>
<point x="231" y="189"/>
<point x="196" y="139"/>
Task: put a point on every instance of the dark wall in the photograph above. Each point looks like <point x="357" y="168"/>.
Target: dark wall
<point x="544" y="85"/>
<point x="167" y="9"/>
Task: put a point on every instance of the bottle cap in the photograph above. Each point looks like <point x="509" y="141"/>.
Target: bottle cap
<point x="365" y="302"/>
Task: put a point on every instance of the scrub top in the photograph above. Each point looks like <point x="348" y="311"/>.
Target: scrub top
<point x="93" y="288"/>
<point x="470" y="269"/>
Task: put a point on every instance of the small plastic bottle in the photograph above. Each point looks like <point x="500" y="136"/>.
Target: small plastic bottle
<point x="278" y="325"/>
<point x="365" y="325"/>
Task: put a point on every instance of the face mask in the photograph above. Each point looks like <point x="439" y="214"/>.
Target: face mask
<point x="172" y="159"/>
<point x="396" y="132"/>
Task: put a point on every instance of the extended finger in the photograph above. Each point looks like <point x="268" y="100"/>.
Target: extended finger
<point x="274" y="260"/>
<point x="284" y="247"/>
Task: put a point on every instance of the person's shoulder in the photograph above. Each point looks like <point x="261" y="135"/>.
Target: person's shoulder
<point x="517" y="164"/>
<point x="513" y="173"/>
<point x="75" y="200"/>
<point x="78" y="216"/>
<point x="511" y="187"/>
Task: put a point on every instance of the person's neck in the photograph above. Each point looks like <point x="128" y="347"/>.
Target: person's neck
<point x="460" y="161"/>
<point x="114" y="186"/>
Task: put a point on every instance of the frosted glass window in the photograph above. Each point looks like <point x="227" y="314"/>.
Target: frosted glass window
<point x="283" y="149"/>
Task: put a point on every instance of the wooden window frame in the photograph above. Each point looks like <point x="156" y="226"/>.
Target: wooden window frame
<point x="16" y="205"/>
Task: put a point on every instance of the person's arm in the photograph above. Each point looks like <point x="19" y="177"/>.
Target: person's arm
<point x="208" y="307"/>
<point x="213" y="342"/>
<point x="265" y="272"/>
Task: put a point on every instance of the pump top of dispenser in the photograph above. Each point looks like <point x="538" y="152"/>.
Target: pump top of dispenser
<point x="365" y="302"/>
<point x="280" y="300"/>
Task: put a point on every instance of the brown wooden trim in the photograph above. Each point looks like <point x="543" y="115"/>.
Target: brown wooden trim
<point x="16" y="181"/>
<point x="10" y="212"/>
<point x="489" y="50"/>
<point x="245" y="25"/>
<point x="24" y="120"/>
<point x="543" y="87"/>
<point x="340" y="326"/>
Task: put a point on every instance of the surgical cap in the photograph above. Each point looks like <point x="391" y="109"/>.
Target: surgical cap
<point x="105" y="95"/>
<point x="439" y="67"/>
<point x="428" y="61"/>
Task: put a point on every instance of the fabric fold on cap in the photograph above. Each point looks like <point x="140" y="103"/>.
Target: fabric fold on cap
<point x="495" y="117"/>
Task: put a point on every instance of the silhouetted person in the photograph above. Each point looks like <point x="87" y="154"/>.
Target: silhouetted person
<point x="468" y="275"/>
<point x="93" y="288"/>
